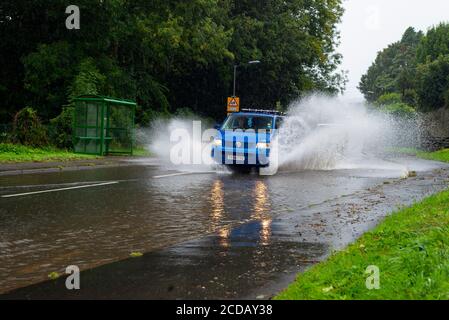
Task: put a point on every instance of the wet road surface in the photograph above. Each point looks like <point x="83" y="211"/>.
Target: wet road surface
<point x="205" y="235"/>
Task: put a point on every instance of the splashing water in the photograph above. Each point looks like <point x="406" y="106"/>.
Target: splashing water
<point x="319" y="133"/>
<point x="196" y="144"/>
<point x="323" y="133"/>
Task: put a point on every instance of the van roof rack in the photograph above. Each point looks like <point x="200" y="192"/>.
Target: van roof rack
<point x="264" y="111"/>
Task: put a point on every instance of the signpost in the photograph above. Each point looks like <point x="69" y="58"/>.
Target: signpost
<point x="233" y="104"/>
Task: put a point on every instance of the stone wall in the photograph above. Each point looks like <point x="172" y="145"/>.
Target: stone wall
<point x="434" y="128"/>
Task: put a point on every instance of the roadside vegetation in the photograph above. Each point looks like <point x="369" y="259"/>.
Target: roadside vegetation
<point x="171" y="57"/>
<point x="30" y="140"/>
<point x="411" y="74"/>
<point x="13" y="153"/>
<point x="141" y="152"/>
<point x="441" y="155"/>
<point x="410" y="248"/>
<point x="167" y="55"/>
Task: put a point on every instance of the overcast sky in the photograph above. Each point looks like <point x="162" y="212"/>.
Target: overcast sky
<point x="370" y="25"/>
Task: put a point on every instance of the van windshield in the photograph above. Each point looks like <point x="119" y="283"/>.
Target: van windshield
<point x="245" y="122"/>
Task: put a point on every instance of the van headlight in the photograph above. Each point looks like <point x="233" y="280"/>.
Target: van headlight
<point x="218" y="142"/>
<point x="263" y="145"/>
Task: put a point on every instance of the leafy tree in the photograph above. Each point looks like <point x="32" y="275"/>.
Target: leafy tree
<point x="433" y="84"/>
<point x="433" y="70"/>
<point x="167" y="55"/>
<point x="393" y="68"/>
<point x="88" y="80"/>
<point x="295" y="40"/>
<point x="48" y="73"/>
<point x="434" y="44"/>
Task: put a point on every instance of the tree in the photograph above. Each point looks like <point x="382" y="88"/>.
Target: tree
<point x="416" y="69"/>
<point x="48" y="74"/>
<point x="434" y="44"/>
<point x="393" y="69"/>
<point x="167" y="55"/>
<point x="433" y="84"/>
<point x="295" y="40"/>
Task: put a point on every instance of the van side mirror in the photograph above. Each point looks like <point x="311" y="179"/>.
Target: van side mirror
<point x="217" y="126"/>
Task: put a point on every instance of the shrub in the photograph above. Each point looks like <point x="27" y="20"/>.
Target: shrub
<point x="389" y="98"/>
<point x="61" y="134"/>
<point x="28" y="130"/>
<point x="5" y="133"/>
<point x="399" y="110"/>
<point x="410" y="97"/>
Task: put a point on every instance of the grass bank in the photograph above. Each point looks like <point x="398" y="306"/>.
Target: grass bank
<point x="441" y="155"/>
<point x="12" y="153"/>
<point x="140" y="151"/>
<point x="410" y="248"/>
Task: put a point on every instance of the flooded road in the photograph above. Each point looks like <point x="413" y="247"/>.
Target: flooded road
<point x="205" y="235"/>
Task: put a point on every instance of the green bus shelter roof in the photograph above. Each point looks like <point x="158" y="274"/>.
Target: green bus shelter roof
<point x="104" y="98"/>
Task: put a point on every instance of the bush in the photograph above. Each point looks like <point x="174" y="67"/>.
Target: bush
<point x="389" y="98"/>
<point x="5" y="133"/>
<point x="28" y="130"/>
<point x="399" y="110"/>
<point x="410" y="97"/>
<point x="61" y="134"/>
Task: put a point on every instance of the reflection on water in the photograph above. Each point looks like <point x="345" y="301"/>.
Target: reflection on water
<point x="261" y="203"/>
<point x="265" y="233"/>
<point x="262" y="210"/>
<point x="87" y="227"/>
<point x="217" y="213"/>
<point x="217" y="202"/>
<point x="223" y="237"/>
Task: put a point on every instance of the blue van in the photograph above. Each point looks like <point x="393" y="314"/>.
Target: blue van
<point x="244" y="138"/>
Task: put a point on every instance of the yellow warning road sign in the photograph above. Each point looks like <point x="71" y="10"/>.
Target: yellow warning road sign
<point x="233" y="104"/>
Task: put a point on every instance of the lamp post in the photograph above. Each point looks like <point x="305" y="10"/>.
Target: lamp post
<point x="235" y="71"/>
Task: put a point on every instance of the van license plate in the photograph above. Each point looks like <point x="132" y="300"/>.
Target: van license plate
<point x="236" y="158"/>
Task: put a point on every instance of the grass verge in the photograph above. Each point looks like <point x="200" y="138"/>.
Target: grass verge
<point x="12" y="153"/>
<point x="141" y="151"/>
<point x="441" y="155"/>
<point x="411" y="249"/>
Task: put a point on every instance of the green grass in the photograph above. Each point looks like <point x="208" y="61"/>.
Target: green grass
<point x="411" y="249"/>
<point x="407" y="151"/>
<point x="441" y="155"/>
<point x="12" y="153"/>
<point x="141" y="152"/>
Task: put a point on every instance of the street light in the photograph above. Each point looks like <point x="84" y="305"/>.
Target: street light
<point x="239" y="65"/>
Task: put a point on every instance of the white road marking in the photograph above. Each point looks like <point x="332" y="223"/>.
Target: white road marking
<point x="60" y="189"/>
<point x="172" y="175"/>
<point x="51" y="185"/>
<point x="182" y="174"/>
